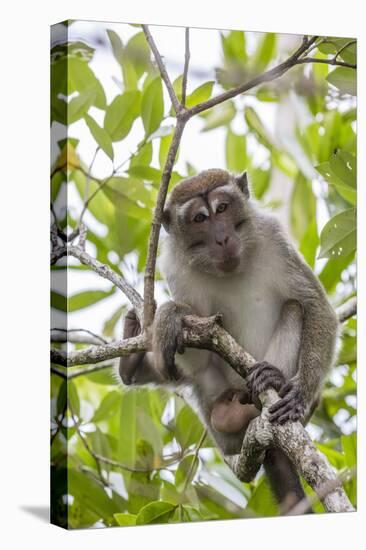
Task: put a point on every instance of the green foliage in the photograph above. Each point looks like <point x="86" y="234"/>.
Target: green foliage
<point x="154" y="470"/>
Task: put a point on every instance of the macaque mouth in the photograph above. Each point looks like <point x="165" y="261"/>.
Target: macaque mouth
<point x="195" y="244"/>
<point x="228" y="265"/>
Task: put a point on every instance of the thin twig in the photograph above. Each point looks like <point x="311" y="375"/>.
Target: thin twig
<point x="107" y="273"/>
<point x="349" y="43"/>
<point x="149" y="302"/>
<point x="87" y="182"/>
<point x="186" y="66"/>
<point x="195" y="458"/>
<point x="332" y="61"/>
<point x="347" y="310"/>
<point x="76" y="335"/>
<point x="164" y="74"/>
<point x="267" y="76"/>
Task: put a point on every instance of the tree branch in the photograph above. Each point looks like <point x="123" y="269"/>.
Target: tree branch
<point x="107" y="273"/>
<point x="267" y="76"/>
<point x="164" y="74"/>
<point x="332" y="61"/>
<point x="76" y="336"/>
<point x="347" y="310"/>
<point x="149" y="308"/>
<point x="186" y="65"/>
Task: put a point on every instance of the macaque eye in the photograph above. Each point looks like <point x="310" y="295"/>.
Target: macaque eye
<point x="199" y="218"/>
<point x="221" y="208"/>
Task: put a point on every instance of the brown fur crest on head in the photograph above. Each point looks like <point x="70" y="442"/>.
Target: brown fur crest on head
<point x="202" y="184"/>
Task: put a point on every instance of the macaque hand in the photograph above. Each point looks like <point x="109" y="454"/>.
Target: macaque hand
<point x="291" y="406"/>
<point x="261" y="377"/>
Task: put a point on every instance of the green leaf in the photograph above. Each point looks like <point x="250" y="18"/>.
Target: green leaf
<point x="109" y="407"/>
<point x="80" y="78"/>
<point x="303" y="206"/>
<point x="309" y="243"/>
<point x="343" y="164"/>
<point x="188" y="428"/>
<point x="78" y="106"/>
<point x="345" y="79"/>
<point x="265" y="51"/>
<point x="152" y="106"/>
<point x="117" y="46"/>
<point x="147" y="173"/>
<point x="105" y="376"/>
<point x="100" y="135"/>
<point x="259" y="181"/>
<point x="137" y="54"/>
<point x="233" y="45"/>
<point x="346" y="191"/>
<point x="256" y="125"/>
<point x="110" y="324"/>
<point x="143" y="157"/>
<point x="262" y="501"/>
<point x="236" y="152"/>
<point x="219" y="116"/>
<point x="200" y="94"/>
<point x="125" y="519"/>
<point x="332" y="271"/>
<point x="338" y="237"/>
<point x="121" y="114"/>
<point x="73" y="398"/>
<point x="87" y="298"/>
<point x="155" y="512"/>
<point x="58" y="301"/>
<point x="349" y="446"/>
<point x="62" y="398"/>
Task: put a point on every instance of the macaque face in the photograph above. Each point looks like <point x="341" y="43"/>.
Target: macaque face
<point x="232" y="412"/>
<point x="214" y="230"/>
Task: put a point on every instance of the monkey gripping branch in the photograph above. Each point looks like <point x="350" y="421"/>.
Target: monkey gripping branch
<point x="207" y="333"/>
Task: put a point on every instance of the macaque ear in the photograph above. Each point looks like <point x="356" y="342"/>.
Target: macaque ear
<point x="242" y="183"/>
<point x="166" y="220"/>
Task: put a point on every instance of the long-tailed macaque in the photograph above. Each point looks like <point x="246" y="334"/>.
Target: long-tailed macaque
<point x="224" y="254"/>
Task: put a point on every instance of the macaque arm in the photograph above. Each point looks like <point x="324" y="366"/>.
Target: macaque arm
<point x="283" y="349"/>
<point x="317" y="346"/>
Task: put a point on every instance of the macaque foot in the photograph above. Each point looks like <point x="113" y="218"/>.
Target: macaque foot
<point x="232" y="411"/>
<point x="263" y="376"/>
<point x="132" y="325"/>
<point x="168" y="338"/>
<point x="290" y="407"/>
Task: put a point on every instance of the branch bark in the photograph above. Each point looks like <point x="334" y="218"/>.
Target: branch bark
<point x="107" y="273"/>
<point x="149" y="308"/>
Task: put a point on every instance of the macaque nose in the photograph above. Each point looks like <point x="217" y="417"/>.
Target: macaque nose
<point x="221" y="240"/>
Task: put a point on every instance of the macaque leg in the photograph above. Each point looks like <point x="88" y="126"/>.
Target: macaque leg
<point x="232" y="412"/>
<point x="136" y="368"/>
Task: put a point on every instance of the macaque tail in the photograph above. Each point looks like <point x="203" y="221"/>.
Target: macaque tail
<point x="284" y="480"/>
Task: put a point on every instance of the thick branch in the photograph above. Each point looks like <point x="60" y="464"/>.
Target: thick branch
<point x="96" y="354"/>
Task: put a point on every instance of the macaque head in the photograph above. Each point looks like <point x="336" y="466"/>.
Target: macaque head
<point x="208" y="216"/>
